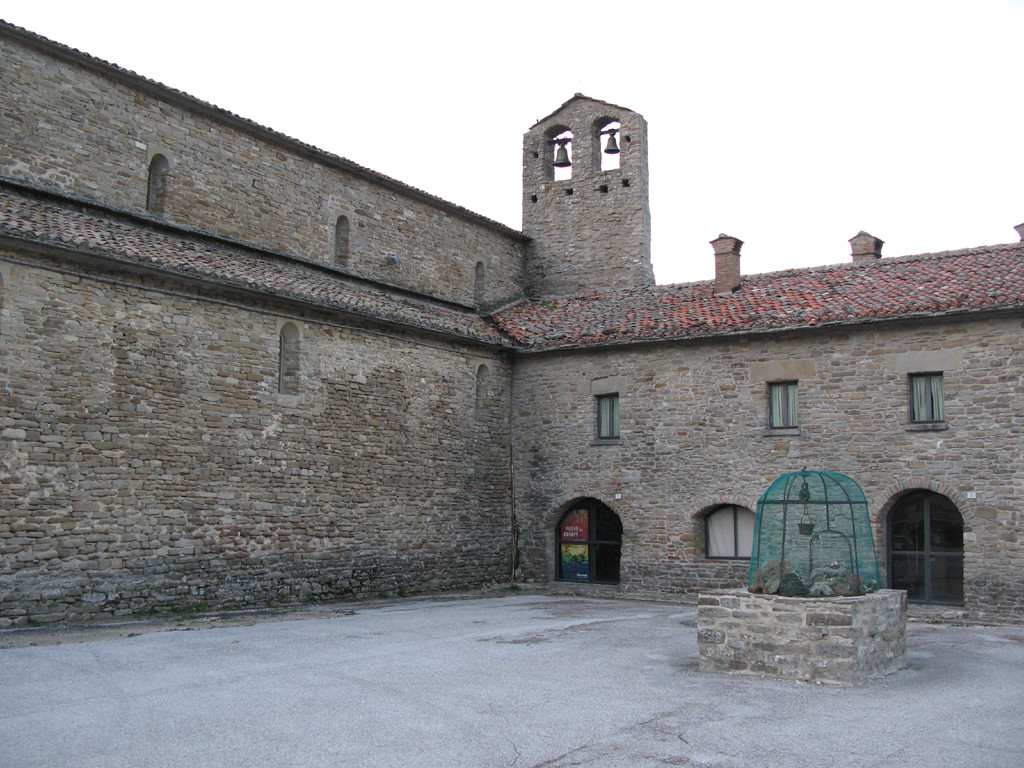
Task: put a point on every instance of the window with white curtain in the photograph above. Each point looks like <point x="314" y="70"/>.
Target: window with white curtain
<point x="608" y="416"/>
<point x="926" y="398"/>
<point x="782" y="405"/>
<point x="729" y="532"/>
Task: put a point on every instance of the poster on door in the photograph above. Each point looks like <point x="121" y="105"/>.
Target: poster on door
<point x="575" y="557"/>
<point x="576" y="562"/>
<point x="574" y="525"/>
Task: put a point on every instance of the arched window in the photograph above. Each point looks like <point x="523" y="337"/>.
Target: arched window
<point x="341" y="241"/>
<point x="478" y="283"/>
<point x="483" y="376"/>
<point x="926" y="548"/>
<point x="288" y="360"/>
<point x="607" y="143"/>
<point x="729" y="533"/>
<point x="589" y="541"/>
<point x="156" y="191"/>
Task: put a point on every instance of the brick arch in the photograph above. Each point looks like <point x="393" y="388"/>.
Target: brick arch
<point x="563" y="501"/>
<point x="894" y="492"/>
<point x="697" y="519"/>
<point x="720" y="501"/>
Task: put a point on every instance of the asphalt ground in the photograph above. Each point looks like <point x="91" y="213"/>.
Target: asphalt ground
<point x="522" y="680"/>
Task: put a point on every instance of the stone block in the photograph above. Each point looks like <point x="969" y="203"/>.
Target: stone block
<point x="844" y="640"/>
<point x="829" y="620"/>
<point x="705" y="635"/>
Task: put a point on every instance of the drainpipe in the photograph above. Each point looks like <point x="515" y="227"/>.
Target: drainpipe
<point x="512" y="474"/>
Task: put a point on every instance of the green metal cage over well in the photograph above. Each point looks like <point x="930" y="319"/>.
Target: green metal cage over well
<point x="812" y="538"/>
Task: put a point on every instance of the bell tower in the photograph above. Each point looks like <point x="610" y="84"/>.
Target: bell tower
<point x="585" y="199"/>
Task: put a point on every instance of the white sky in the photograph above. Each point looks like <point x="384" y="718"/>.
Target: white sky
<point x="791" y="125"/>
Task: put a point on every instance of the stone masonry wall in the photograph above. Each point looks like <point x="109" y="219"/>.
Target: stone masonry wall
<point x="694" y="435"/>
<point x="835" y="640"/>
<point x="592" y="231"/>
<point x="93" y="134"/>
<point x="148" y="461"/>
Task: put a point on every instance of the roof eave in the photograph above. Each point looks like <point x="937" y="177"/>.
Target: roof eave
<point x="526" y="348"/>
<point x="114" y="263"/>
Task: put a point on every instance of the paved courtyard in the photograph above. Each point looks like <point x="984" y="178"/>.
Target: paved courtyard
<point x="523" y="680"/>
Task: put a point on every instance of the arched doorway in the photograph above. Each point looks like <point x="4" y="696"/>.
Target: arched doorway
<point x="589" y="543"/>
<point x="926" y="548"/>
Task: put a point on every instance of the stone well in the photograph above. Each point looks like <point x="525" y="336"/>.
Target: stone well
<point x="845" y="640"/>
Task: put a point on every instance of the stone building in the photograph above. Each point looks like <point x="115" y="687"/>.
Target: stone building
<point x="238" y="370"/>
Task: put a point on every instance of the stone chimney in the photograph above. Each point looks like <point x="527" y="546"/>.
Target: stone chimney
<point x="1020" y="231"/>
<point x="866" y="247"/>
<point x="727" y="264"/>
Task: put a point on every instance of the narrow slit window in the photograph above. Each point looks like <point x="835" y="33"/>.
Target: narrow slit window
<point x="288" y="360"/>
<point x="341" y="241"/>
<point x="482" y="383"/>
<point x="156" y="190"/>
<point x="478" y="283"/>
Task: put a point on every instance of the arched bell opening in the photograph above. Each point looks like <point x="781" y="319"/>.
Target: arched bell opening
<point x="607" y="143"/>
<point x="588" y="542"/>
<point x="925" y="536"/>
<point x="558" y="162"/>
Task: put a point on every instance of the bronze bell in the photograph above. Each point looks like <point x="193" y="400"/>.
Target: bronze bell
<point x="612" y="147"/>
<point x="562" y="157"/>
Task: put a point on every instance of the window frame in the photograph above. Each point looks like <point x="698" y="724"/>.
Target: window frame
<point x="790" y="416"/>
<point x="929" y="391"/>
<point x="611" y="425"/>
<point x="736" y="509"/>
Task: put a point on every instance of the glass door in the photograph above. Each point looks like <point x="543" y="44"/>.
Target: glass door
<point x="926" y="549"/>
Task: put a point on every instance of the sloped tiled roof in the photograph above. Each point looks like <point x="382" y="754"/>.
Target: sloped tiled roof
<point x="929" y="285"/>
<point x="36" y="217"/>
<point x="974" y="280"/>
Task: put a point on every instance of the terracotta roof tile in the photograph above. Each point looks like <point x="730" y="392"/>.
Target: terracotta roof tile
<point x="47" y="219"/>
<point x="953" y="282"/>
<point x="973" y="280"/>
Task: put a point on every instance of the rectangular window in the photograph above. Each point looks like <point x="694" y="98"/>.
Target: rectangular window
<point x="782" y="409"/>
<point x="926" y="398"/>
<point x="608" y="416"/>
